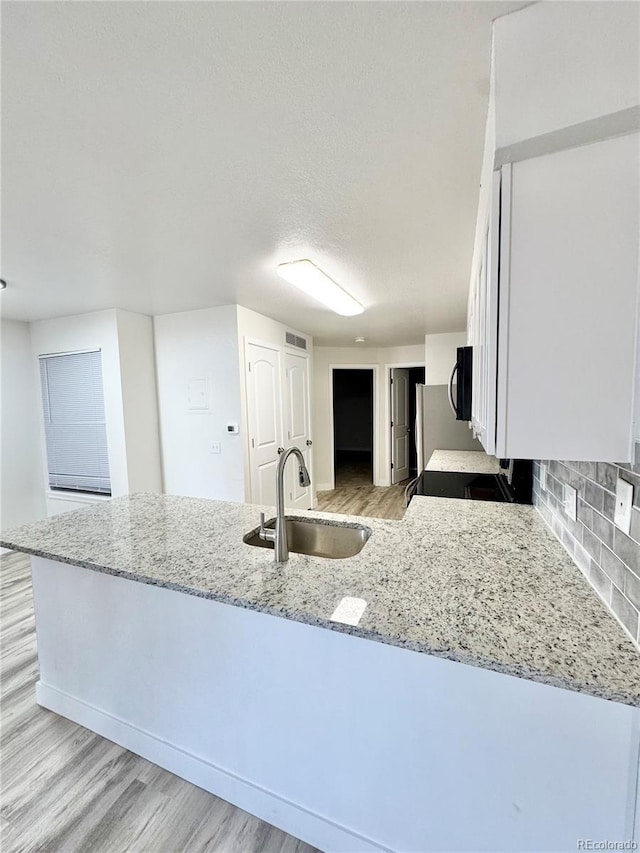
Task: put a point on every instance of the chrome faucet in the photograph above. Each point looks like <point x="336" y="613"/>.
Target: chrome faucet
<point x="279" y="535"/>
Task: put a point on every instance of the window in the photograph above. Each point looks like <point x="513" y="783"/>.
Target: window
<point x="74" y="422"/>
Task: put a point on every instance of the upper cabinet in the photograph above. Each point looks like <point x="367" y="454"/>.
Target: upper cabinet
<point x="568" y="288"/>
<point x="553" y="307"/>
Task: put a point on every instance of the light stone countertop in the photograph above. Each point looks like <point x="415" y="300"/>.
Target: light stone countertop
<point x="482" y="583"/>
<point x="464" y="461"/>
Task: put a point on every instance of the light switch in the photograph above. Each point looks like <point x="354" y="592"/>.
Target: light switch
<point x="570" y="502"/>
<point x="624" y="502"/>
<point x="216" y="447"/>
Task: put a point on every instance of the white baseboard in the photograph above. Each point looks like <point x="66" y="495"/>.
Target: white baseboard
<point x="295" y="819"/>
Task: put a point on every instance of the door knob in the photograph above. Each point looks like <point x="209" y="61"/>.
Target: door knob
<point x="280" y="450"/>
<point x="309" y="442"/>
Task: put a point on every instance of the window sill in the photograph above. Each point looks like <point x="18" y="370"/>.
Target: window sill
<point x="76" y="497"/>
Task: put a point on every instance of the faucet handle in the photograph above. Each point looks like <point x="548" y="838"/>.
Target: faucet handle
<point x="266" y="533"/>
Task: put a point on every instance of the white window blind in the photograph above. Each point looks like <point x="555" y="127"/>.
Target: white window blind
<point x="74" y="422"/>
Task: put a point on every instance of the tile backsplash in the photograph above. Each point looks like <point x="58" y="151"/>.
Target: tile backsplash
<point x="607" y="557"/>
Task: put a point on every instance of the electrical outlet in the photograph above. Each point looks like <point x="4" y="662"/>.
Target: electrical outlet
<point x="216" y="447"/>
<point x="624" y="502"/>
<point x="543" y="477"/>
<point x="570" y="501"/>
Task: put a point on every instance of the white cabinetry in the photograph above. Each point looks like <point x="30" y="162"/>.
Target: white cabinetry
<point x="482" y="328"/>
<point x="568" y="303"/>
<point x="553" y="308"/>
<point x="560" y="306"/>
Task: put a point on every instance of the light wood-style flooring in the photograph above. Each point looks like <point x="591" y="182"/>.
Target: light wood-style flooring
<point x="64" y="788"/>
<point x="355" y="493"/>
<point x="371" y="501"/>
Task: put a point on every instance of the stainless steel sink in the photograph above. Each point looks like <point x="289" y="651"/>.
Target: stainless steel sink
<point x="316" y="537"/>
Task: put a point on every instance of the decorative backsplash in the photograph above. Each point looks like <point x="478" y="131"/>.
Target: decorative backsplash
<point x="606" y="556"/>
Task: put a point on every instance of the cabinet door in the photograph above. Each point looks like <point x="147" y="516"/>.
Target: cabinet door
<point x="483" y="323"/>
<point x="568" y="293"/>
<point x="473" y="339"/>
<point x="480" y="350"/>
<point x="490" y="336"/>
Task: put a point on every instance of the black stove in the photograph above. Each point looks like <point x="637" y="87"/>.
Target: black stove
<point x="512" y="486"/>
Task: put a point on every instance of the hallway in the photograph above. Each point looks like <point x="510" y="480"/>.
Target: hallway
<point x="364" y="499"/>
<point x="353" y="468"/>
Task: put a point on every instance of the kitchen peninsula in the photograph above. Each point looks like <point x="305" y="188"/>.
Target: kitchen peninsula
<point x="485" y="700"/>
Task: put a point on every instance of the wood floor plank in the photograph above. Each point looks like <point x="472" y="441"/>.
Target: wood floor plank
<point x="64" y="789"/>
<point x="355" y="494"/>
<point x="367" y="500"/>
<point x="125" y="825"/>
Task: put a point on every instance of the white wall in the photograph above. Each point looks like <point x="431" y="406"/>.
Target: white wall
<point x="134" y="466"/>
<point x="139" y="401"/>
<point x="257" y="326"/>
<point x="208" y="345"/>
<point x="381" y="358"/>
<point x="558" y="64"/>
<point x="21" y="477"/>
<point x="440" y="356"/>
<point x="200" y="345"/>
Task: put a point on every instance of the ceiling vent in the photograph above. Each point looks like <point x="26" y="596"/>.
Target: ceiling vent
<point x="295" y="340"/>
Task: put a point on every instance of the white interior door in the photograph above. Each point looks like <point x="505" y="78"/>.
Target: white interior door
<point x="265" y="421"/>
<point x="399" y="424"/>
<point x="298" y="427"/>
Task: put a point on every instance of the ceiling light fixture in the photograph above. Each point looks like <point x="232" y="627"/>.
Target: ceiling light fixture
<point x="309" y="278"/>
<point x="360" y="339"/>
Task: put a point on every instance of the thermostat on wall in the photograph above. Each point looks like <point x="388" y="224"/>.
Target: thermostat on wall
<point x="234" y="429"/>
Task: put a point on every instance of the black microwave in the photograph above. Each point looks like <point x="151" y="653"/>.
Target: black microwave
<point x="460" y="397"/>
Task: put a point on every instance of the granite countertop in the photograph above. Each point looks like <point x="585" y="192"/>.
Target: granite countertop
<point x="465" y="461"/>
<point x="481" y="583"/>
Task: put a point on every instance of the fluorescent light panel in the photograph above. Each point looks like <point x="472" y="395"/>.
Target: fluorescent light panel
<point x="309" y="278"/>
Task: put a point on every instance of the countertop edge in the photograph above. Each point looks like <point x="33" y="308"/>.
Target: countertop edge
<point x="514" y="670"/>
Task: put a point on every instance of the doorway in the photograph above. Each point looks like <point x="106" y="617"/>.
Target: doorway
<point x="404" y="440"/>
<point x="278" y="415"/>
<point x="353" y="390"/>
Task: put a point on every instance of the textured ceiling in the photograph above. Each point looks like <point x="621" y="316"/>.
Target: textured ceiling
<point x="165" y="156"/>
